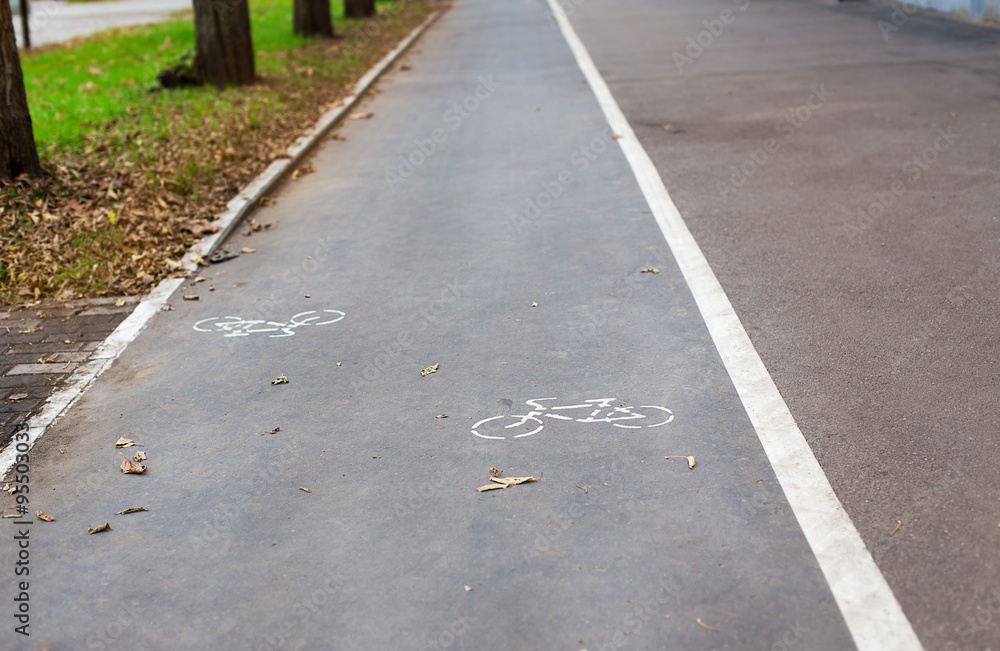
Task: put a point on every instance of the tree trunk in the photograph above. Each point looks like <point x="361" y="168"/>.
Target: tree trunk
<point x="312" y="18"/>
<point x="25" y="27"/>
<point x="359" y="8"/>
<point x="223" y="45"/>
<point x="17" y="139"/>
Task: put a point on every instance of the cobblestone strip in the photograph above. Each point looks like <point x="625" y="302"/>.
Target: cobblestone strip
<point x="43" y="344"/>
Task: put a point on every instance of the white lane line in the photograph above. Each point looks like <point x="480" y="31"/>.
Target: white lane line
<point x="244" y="203"/>
<point x="874" y="617"/>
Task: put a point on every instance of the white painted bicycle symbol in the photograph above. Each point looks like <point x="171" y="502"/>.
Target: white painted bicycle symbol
<point x="235" y="326"/>
<point x="601" y="410"/>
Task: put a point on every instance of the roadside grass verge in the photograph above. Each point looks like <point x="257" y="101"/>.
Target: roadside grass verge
<point x="134" y="176"/>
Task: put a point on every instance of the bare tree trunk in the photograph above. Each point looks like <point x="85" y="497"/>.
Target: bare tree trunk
<point x="312" y="18"/>
<point x="223" y="44"/>
<point x="18" y="154"/>
<point x="359" y="8"/>
<point x="25" y="28"/>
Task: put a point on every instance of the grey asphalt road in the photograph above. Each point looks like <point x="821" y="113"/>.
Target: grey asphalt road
<point x="860" y="254"/>
<point x="52" y="21"/>
<point x="486" y="183"/>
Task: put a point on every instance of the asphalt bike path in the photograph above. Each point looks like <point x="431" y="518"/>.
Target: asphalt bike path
<point x="485" y="222"/>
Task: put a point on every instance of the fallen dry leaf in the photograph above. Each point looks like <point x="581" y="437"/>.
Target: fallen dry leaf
<point x="304" y="489"/>
<point x="704" y="625"/>
<point x="274" y="431"/>
<point x="503" y="482"/>
<point x="199" y="279"/>
<point x="649" y="270"/>
<point x="130" y="467"/>
<point x="120" y="302"/>
<point x="46" y="360"/>
<point x="199" y="228"/>
<point x="429" y="370"/>
<point x="166" y="307"/>
<point x="302" y="171"/>
<point x="139" y="456"/>
<point x="18" y="396"/>
<point x="690" y="460"/>
<point x="134" y="509"/>
<point x="124" y="443"/>
<point x="513" y="481"/>
<point x="581" y="488"/>
<point x="42" y="516"/>
<point x="102" y="527"/>
<point x="899" y="523"/>
<point x="281" y="379"/>
<point x="247" y="250"/>
<point x="441" y="416"/>
<point x="192" y="297"/>
<point x="534" y="305"/>
<point x="361" y="116"/>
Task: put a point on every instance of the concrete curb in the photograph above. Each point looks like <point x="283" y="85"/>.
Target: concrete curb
<point x="245" y="202"/>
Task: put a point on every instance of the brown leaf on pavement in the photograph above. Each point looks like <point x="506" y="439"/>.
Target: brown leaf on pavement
<point x="123" y="442"/>
<point x="18" y="396"/>
<point x="42" y="516"/>
<point x="302" y="171"/>
<point x="361" y="116"/>
<point x="503" y="482"/>
<point x="139" y="456"/>
<point x="281" y="379"/>
<point x="101" y="527"/>
<point x="430" y="369"/>
<point x="130" y="467"/>
<point x="134" y="509"/>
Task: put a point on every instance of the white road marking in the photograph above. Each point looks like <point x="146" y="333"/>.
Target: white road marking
<point x="874" y="617"/>
<point x="613" y="415"/>
<point x="235" y="326"/>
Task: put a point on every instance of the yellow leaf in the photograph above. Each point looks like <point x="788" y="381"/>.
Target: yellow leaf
<point x="689" y="459"/>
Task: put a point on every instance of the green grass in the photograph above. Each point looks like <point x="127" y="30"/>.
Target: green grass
<point x="76" y="87"/>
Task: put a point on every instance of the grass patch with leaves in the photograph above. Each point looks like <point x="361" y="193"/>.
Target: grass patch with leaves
<point x="134" y="176"/>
